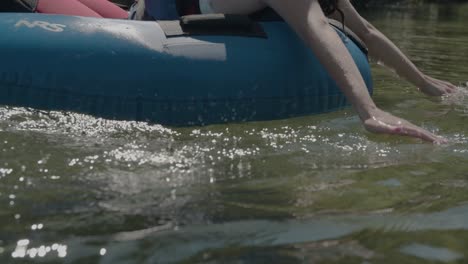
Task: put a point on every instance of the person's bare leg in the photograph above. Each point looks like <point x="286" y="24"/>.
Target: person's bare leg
<point x="382" y="49"/>
<point x="308" y="21"/>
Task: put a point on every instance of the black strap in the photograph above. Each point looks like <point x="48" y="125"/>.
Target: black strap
<point x="350" y="34"/>
<point x="124" y="4"/>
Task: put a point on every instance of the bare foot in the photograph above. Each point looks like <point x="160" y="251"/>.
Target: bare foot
<point x="383" y="122"/>
<point x="435" y="87"/>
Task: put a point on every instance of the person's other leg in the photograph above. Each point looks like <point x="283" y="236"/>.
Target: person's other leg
<point x="105" y="8"/>
<point x="306" y="18"/>
<point x="383" y="49"/>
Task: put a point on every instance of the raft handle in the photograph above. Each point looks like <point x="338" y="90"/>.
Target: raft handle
<point x="213" y="24"/>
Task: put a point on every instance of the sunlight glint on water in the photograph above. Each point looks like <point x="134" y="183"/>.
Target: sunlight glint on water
<point x="316" y="188"/>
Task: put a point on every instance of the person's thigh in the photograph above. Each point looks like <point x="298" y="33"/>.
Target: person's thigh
<point x="241" y="7"/>
<point x="65" y="7"/>
<point x="304" y="16"/>
<point x="105" y="8"/>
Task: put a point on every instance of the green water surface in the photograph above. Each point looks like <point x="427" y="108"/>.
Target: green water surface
<point x="318" y="189"/>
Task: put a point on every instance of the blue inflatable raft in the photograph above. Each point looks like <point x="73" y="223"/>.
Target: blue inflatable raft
<point x="196" y="71"/>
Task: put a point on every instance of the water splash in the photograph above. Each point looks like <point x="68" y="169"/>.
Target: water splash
<point x="458" y="99"/>
<point x="26" y="119"/>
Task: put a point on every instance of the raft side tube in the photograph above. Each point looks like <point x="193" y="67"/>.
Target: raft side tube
<point x="130" y="70"/>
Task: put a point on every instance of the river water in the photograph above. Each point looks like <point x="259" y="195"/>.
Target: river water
<point x="316" y="189"/>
